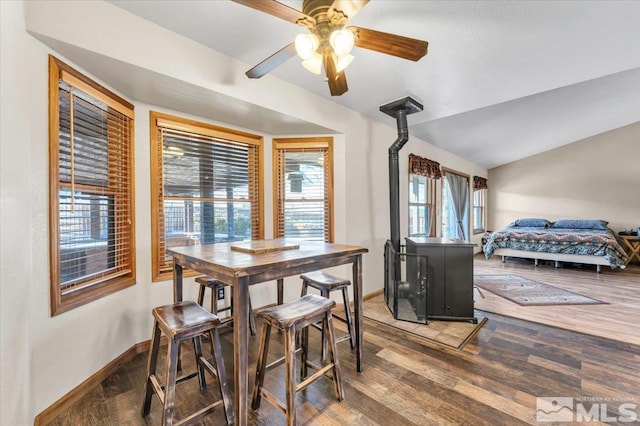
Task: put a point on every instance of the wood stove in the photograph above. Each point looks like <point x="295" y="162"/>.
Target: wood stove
<point x="428" y="278"/>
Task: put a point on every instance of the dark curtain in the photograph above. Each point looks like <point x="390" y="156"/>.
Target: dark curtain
<point x="424" y="167"/>
<point x="479" y="183"/>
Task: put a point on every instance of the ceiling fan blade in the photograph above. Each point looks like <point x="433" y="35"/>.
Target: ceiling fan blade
<point x="348" y="7"/>
<point x="337" y="80"/>
<point x="391" y="44"/>
<point x="272" y="61"/>
<point x="277" y="9"/>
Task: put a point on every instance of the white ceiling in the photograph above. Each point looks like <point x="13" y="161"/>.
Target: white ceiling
<point x="502" y="80"/>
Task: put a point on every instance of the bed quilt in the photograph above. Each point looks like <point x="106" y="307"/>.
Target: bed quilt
<point x="559" y="240"/>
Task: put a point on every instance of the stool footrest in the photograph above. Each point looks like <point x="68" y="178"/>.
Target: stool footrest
<point x="306" y="382"/>
<point x="157" y="387"/>
<point x="343" y="319"/>
<point x="186" y="377"/>
<point x="199" y="414"/>
<point x="343" y="338"/>
<point x="279" y="361"/>
<point x="209" y="367"/>
<point x="273" y="400"/>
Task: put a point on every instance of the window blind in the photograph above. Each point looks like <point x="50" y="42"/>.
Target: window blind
<point x="94" y="173"/>
<point x="304" y="192"/>
<point x="208" y="189"/>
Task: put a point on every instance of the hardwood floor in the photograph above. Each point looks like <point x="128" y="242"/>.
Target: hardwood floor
<point x="618" y="319"/>
<point x="494" y="380"/>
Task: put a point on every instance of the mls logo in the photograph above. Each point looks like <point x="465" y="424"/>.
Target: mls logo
<point x="554" y="409"/>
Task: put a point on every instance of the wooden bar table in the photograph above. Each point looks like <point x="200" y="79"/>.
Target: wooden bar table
<point x="241" y="264"/>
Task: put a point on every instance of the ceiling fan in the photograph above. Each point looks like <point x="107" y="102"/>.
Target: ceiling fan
<point x="328" y="43"/>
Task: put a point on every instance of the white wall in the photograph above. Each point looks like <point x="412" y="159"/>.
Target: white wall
<point x="18" y="55"/>
<point x="43" y="358"/>
<point x="595" y="178"/>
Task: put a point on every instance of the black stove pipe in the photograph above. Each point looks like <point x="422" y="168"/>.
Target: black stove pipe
<point x="394" y="177"/>
<point x="398" y="109"/>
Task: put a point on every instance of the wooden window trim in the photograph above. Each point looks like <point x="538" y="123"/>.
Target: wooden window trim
<point x="167" y="121"/>
<point x="313" y="143"/>
<point x="95" y="289"/>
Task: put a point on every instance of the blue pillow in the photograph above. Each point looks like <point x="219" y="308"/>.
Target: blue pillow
<point x="532" y="222"/>
<point x="581" y="224"/>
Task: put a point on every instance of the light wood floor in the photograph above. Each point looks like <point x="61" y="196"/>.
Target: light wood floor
<point x="494" y="380"/>
<point x="618" y="320"/>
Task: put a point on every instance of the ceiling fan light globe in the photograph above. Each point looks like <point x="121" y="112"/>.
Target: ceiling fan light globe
<point x="341" y="41"/>
<point x="306" y="45"/>
<point x="342" y="62"/>
<point x="314" y="64"/>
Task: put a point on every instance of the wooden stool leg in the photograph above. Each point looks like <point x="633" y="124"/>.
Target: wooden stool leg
<point x="151" y="369"/>
<point x="214" y="299"/>
<point x="280" y="298"/>
<point x="303" y="292"/>
<point x="179" y="356"/>
<point x="197" y="350"/>
<point x="252" y="320"/>
<point x="348" y="317"/>
<point x="337" y="376"/>
<point x="304" y="344"/>
<point x="170" y="388"/>
<point x="201" y="294"/>
<point x="290" y="375"/>
<point x="260" y="367"/>
<point x="222" y="376"/>
<point x="323" y="356"/>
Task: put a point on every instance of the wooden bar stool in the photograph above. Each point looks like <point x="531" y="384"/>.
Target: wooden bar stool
<point x="178" y="322"/>
<point x="326" y="283"/>
<point x="292" y="317"/>
<point x="215" y="285"/>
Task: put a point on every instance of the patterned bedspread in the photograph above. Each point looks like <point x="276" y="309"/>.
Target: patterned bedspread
<point x="559" y="240"/>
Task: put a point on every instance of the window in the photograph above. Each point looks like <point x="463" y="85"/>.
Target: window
<point x="455" y="205"/>
<point x="91" y="211"/>
<point x="419" y="206"/>
<point x="423" y="175"/>
<point x="206" y="185"/>
<point x="303" y="188"/>
<point x="479" y="200"/>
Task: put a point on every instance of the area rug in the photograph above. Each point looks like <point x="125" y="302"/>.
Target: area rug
<point x="450" y="334"/>
<point x="526" y="292"/>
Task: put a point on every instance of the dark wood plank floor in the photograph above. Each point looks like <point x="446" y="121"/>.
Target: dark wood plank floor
<point x="494" y="381"/>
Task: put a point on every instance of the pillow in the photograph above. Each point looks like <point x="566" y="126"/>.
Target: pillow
<point x="532" y="222"/>
<point x="581" y="224"/>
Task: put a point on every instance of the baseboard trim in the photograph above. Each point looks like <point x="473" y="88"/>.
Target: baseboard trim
<point x="372" y="295"/>
<point x="54" y="410"/>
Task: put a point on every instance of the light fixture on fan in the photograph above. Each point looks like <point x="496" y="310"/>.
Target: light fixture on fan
<point x="306" y="48"/>
<point x="340" y="41"/>
<point x="328" y="43"/>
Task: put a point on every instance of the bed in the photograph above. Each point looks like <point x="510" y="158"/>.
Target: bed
<point x="568" y="240"/>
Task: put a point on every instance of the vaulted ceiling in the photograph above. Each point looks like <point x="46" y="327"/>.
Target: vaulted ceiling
<point x="502" y="80"/>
